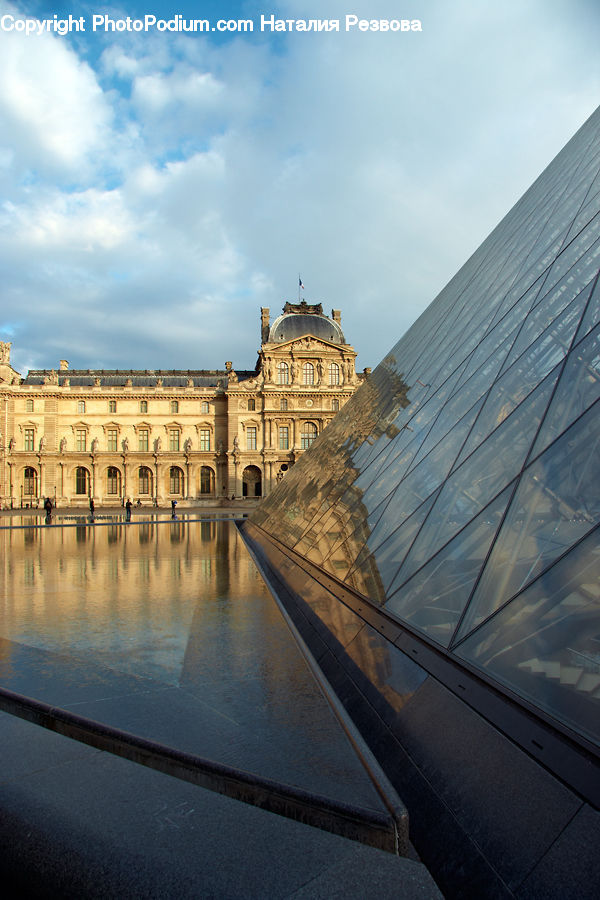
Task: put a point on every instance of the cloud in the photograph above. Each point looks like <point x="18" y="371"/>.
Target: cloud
<point x="158" y="190"/>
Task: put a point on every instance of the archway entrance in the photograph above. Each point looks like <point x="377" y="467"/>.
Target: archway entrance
<point x="251" y="482"/>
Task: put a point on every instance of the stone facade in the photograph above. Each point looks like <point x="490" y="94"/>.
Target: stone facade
<point x="154" y="436"/>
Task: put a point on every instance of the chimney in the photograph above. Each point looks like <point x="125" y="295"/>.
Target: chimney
<point x="264" y="324"/>
<point x="336" y="315"/>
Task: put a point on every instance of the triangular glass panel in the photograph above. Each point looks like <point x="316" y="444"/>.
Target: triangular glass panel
<point x="545" y="644"/>
<point x="578" y="389"/>
<point x="492" y="466"/>
<point x="556" y="503"/>
<point x="434" y="598"/>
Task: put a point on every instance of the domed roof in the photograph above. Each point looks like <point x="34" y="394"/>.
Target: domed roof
<point x="296" y="322"/>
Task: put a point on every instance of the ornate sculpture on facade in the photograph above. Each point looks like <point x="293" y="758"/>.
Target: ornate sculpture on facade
<point x="187" y="445"/>
<point x="236" y="444"/>
<point x="63" y="445"/>
<point x="94" y="446"/>
<point x="11" y="445"/>
<point x="125" y="445"/>
<point x="97" y="382"/>
<point x="42" y="443"/>
<point x="5" y="353"/>
<point x="157" y="445"/>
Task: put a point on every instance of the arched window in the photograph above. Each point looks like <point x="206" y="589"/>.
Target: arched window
<point x="30" y="482"/>
<point x="283" y="373"/>
<point x="204" y="406"/>
<point x="307" y="435"/>
<point x="143" y="406"/>
<point x="175" y="480"/>
<point x="335" y="405"/>
<point x="207" y="480"/>
<point x="334" y="374"/>
<point x="308" y="373"/>
<point x="113" y="480"/>
<point x="81" y="406"/>
<point x="144" y="480"/>
<point x="29" y="406"/>
<point x="82" y="480"/>
<point x="174" y="407"/>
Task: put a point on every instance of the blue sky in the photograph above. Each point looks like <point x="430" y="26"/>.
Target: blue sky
<point x="157" y="189"/>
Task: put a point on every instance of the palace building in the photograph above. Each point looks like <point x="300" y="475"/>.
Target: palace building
<point x="159" y="435"/>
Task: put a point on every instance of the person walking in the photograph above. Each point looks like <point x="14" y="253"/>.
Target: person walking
<point x="128" y="510"/>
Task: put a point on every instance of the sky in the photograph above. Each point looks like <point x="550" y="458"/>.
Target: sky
<point x="158" y="188"/>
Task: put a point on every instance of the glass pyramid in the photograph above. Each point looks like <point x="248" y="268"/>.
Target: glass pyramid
<point x="459" y="490"/>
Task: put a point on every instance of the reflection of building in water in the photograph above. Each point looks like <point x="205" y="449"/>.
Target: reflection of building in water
<point x="162" y="435"/>
<point x="442" y="543"/>
<point x="114" y="588"/>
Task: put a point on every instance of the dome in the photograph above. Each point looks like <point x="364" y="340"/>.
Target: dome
<point x="290" y="326"/>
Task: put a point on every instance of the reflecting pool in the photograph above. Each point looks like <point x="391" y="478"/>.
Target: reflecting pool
<point x="165" y="628"/>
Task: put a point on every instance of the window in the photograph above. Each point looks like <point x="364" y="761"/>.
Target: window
<point x="206" y="480"/>
<point x="173" y="439"/>
<point x="283" y="404"/>
<point x="112" y="480"/>
<point x="144" y="480"/>
<point x="251" y="438"/>
<point x="174" y="407"/>
<point x="112" y="406"/>
<point x="29" y="438"/>
<point x="309" y="433"/>
<point x="81" y="480"/>
<point x="204" y="406"/>
<point x="334" y="374"/>
<point x="335" y="405"/>
<point x="80" y="439"/>
<point x="30" y="482"/>
<point x="284" y="437"/>
<point x="81" y="406"/>
<point x="251" y="404"/>
<point x="175" y="480"/>
<point x="143" y="406"/>
<point x="143" y="440"/>
<point x="205" y="439"/>
<point x="29" y="406"/>
<point x="111" y="443"/>
<point x="283" y="373"/>
<point x="308" y="373"/>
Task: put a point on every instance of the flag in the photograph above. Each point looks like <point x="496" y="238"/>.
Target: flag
<point x="300" y="285"/>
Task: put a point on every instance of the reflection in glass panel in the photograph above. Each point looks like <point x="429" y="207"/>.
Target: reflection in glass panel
<point x="526" y="373"/>
<point x="576" y="291"/>
<point x="483" y="475"/>
<point x="391" y="552"/>
<point x="578" y="389"/>
<point x="435" y="597"/>
<point x="545" y="644"/>
<point x="592" y="313"/>
<point x="556" y="503"/>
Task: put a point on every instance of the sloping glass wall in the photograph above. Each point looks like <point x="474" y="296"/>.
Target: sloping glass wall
<point x="460" y="488"/>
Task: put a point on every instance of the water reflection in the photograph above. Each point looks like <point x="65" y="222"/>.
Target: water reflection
<point x="167" y="629"/>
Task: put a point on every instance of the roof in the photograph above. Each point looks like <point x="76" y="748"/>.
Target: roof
<point x="171" y="378"/>
<point x="291" y="325"/>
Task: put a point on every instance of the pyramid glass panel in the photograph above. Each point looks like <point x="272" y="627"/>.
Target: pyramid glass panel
<point x="459" y="490"/>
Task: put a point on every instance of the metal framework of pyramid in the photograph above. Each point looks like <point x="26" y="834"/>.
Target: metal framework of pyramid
<point x="459" y="490"/>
